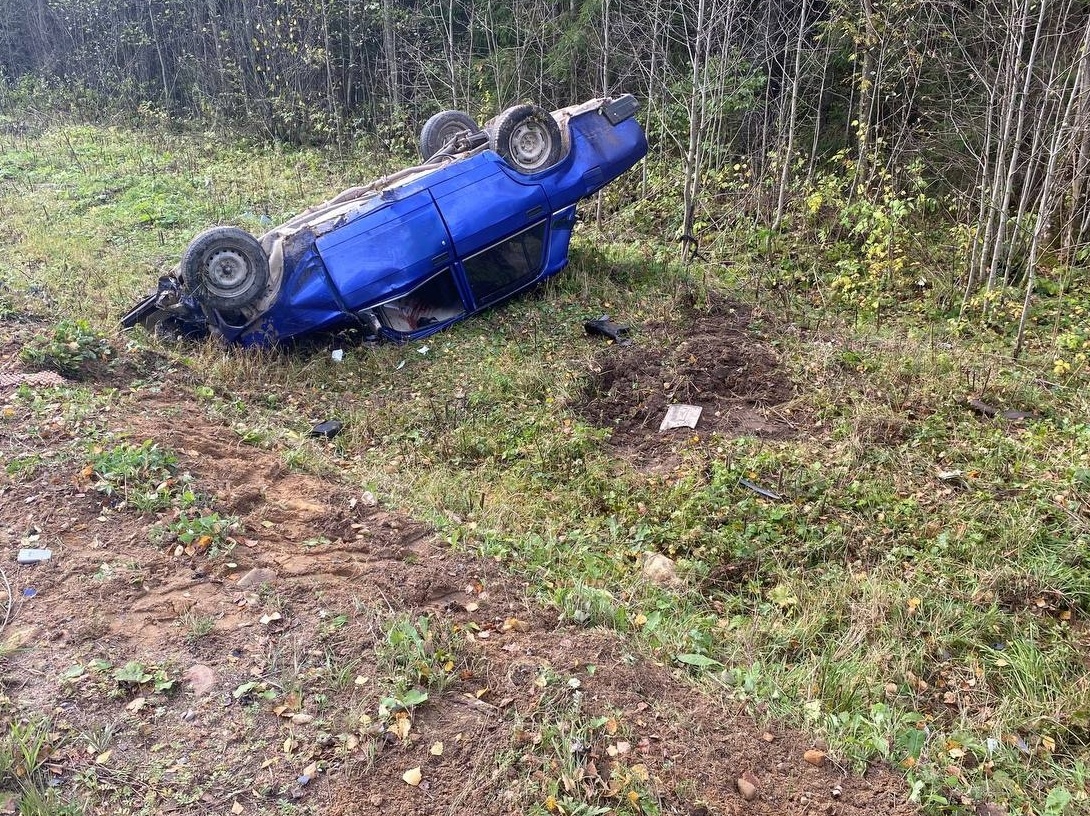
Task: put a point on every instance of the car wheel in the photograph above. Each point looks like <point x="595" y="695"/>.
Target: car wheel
<point x="225" y="268"/>
<point x="441" y="128"/>
<point x="527" y="138"/>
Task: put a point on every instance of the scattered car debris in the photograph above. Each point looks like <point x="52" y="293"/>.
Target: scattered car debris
<point x="328" y="429"/>
<point x="954" y="477"/>
<point x="760" y="491"/>
<point x="34" y="555"/>
<point x="489" y="213"/>
<point x="992" y="412"/>
<point x="681" y="416"/>
<point x="607" y="328"/>
<point x="30" y="592"/>
<point x="337" y="356"/>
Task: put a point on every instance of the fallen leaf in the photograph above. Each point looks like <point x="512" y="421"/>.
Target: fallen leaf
<point x="104" y="757"/>
<point x="436" y="749"/>
<point x="267" y="619"/>
<point x="401" y="727"/>
<point x="137" y="704"/>
<point x="472" y="606"/>
<point x="640" y="619"/>
<point x="913" y="604"/>
<point x="236" y="808"/>
<point x="413" y="776"/>
<point x="515" y="625"/>
<point x="311" y="770"/>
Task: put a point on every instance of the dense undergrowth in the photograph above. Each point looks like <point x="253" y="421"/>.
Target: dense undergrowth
<point x="922" y="595"/>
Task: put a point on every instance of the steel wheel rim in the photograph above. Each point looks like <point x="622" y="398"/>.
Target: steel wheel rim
<point x="530" y="144"/>
<point x="227" y="272"/>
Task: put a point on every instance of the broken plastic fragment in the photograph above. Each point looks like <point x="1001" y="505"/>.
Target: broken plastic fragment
<point x="328" y="429"/>
<point x="607" y="328"/>
<point x="681" y="416"/>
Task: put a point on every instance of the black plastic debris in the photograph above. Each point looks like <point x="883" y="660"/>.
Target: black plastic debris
<point x="328" y="429"/>
<point x="607" y="328"/>
<point x="761" y="491"/>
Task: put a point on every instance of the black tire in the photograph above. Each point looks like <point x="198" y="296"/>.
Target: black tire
<point x="527" y="138"/>
<point x="225" y="268"/>
<point x="441" y="128"/>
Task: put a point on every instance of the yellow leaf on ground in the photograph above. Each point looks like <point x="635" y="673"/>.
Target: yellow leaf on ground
<point x="514" y="624"/>
<point x="401" y="727"/>
<point x="436" y="749"/>
<point x="104" y="757"/>
<point x="913" y="605"/>
<point x="640" y="619"/>
<point x="413" y="776"/>
<point x="236" y="808"/>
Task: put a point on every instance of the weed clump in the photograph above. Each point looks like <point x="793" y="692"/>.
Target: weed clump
<point x="69" y="350"/>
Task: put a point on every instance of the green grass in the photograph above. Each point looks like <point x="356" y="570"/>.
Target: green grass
<point x="937" y="622"/>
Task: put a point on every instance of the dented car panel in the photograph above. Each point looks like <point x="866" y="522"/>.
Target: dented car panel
<point x="408" y="255"/>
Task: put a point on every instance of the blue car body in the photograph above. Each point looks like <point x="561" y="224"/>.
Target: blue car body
<point x="445" y="240"/>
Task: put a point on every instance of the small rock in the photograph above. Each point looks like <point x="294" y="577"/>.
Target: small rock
<point x="747" y="789"/>
<point x="376" y="801"/>
<point x="367" y="499"/>
<point x="301" y="719"/>
<point x="815" y="757"/>
<point x="659" y="569"/>
<point x="768" y="737"/>
<point x="201" y="679"/>
<point x="837" y="792"/>
<point x="257" y="577"/>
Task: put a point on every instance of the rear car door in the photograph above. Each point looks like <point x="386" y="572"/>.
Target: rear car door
<point x="499" y="224"/>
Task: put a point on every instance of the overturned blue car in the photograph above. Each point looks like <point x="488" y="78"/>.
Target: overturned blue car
<point x="488" y="213"/>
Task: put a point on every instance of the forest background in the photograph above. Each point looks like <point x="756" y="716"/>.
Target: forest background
<point x="940" y="149"/>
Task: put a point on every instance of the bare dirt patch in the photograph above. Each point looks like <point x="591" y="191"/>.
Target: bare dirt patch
<point x="277" y="678"/>
<point x="711" y="357"/>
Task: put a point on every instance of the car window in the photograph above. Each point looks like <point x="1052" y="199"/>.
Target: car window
<point x="433" y="302"/>
<point x="506" y="266"/>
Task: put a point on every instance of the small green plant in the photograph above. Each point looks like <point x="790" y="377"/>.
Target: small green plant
<point x="67" y="350"/>
<point x="143" y="475"/>
<point x="204" y="532"/>
<point x="197" y="626"/>
<point x="418" y="658"/>
<point x="25" y="747"/>
<point x="134" y="674"/>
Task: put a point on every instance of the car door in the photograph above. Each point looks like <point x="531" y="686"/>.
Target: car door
<point x="499" y="224"/>
<point x="387" y="251"/>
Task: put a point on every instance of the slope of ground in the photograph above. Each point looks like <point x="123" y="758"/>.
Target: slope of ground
<point x="308" y="660"/>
